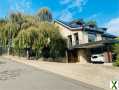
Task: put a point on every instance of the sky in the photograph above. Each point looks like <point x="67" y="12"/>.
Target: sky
<point x="105" y="12"/>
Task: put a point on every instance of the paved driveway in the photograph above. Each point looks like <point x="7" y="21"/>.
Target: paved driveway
<point x="16" y="76"/>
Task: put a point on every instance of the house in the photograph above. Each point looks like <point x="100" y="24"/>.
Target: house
<point x="85" y="40"/>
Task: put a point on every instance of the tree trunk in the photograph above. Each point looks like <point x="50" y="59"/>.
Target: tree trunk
<point x="27" y="53"/>
<point x="8" y="50"/>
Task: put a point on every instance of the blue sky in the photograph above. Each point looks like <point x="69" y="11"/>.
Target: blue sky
<point x="105" y="12"/>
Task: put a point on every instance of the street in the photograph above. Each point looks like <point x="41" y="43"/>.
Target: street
<point x="17" y="76"/>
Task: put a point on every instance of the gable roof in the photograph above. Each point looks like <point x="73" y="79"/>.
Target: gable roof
<point x="75" y="26"/>
<point x="109" y="35"/>
<point x="69" y="25"/>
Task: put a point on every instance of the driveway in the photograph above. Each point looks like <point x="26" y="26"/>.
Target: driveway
<point x="17" y="76"/>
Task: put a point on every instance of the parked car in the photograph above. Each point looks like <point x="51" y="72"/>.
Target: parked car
<point x="95" y="58"/>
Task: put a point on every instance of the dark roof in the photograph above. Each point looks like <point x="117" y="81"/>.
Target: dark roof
<point x="94" y="29"/>
<point x="69" y="25"/>
<point x="77" y="26"/>
<point x="109" y="35"/>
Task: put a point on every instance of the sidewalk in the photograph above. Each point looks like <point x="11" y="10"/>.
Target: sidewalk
<point x="94" y="74"/>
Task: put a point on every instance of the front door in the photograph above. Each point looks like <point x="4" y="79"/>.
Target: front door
<point x="72" y="56"/>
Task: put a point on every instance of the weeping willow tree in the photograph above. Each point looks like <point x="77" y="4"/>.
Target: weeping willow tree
<point x="37" y="38"/>
<point x="15" y="23"/>
<point x="22" y="21"/>
<point x="57" y="43"/>
<point x="7" y="31"/>
<point x="24" y="31"/>
<point x="29" y="38"/>
<point x="10" y="29"/>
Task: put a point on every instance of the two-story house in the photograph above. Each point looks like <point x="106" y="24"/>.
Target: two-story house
<point x="85" y="40"/>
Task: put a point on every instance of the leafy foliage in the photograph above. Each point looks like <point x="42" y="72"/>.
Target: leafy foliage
<point x="116" y="50"/>
<point x="21" y="31"/>
<point x="57" y="43"/>
<point x="44" y="15"/>
<point x="92" y="23"/>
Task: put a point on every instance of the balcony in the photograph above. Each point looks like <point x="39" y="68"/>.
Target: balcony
<point x="75" y="43"/>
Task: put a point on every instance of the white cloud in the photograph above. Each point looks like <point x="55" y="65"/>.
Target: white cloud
<point x="20" y="5"/>
<point x="66" y="16"/>
<point x="76" y="4"/>
<point x="113" y="26"/>
<point x="71" y="7"/>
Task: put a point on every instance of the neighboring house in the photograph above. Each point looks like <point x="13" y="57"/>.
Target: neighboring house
<point x="85" y="40"/>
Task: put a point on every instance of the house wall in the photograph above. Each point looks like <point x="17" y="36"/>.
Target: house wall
<point x="99" y="37"/>
<point x="83" y="36"/>
<point x="108" y="56"/>
<point x="65" y="32"/>
<point x="82" y="56"/>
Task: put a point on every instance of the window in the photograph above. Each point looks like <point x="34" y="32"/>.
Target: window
<point x="76" y="38"/>
<point x="91" y="37"/>
<point x="94" y="57"/>
<point x="107" y="38"/>
<point x="70" y="40"/>
<point x="103" y="38"/>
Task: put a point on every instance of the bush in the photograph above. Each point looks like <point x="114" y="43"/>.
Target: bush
<point x="116" y="63"/>
<point x="116" y="51"/>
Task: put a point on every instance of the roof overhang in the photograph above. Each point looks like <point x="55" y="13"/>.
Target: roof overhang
<point x="96" y="44"/>
<point x="70" y="28"/>
<point x="79" y="28"/>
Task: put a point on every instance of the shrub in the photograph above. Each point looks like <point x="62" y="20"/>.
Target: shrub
<point x="116" y="63"/>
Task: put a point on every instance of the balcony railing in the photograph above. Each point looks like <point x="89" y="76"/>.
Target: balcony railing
<point x="75" y="43"/>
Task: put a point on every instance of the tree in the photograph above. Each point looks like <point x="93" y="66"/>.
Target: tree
<point x="57" y="44"/>
<point x="2" y="27"/>
<point x="29" y="38"/>
<point x="10" y="30"/>
<point x="116" y="50"/>
<point x="91" y="23"/>
<point x="25" y="31"/>
<point x="44" y="15"/>
<point x="37" y="38"/>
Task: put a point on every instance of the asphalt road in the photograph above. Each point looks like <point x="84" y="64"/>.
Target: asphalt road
<point x="17" y="76"/>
